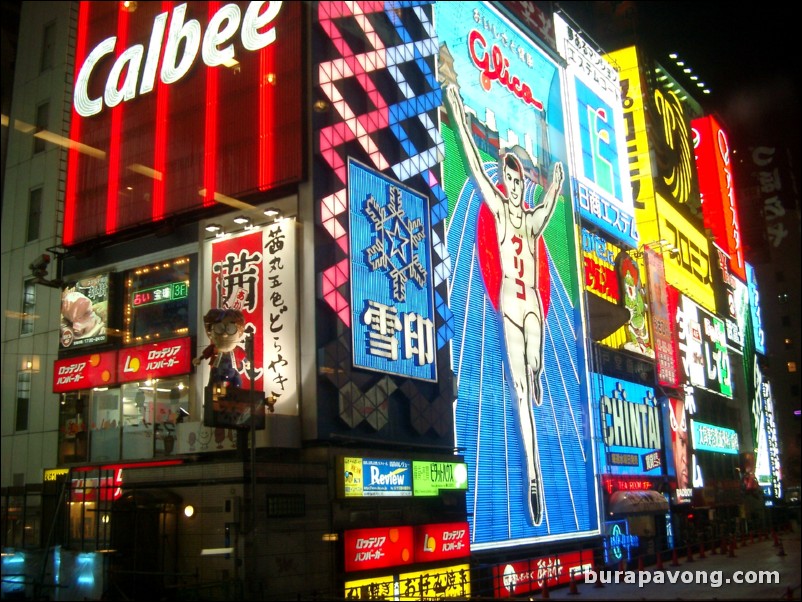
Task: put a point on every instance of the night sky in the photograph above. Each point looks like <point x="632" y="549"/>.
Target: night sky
<point x="748" y="53"/>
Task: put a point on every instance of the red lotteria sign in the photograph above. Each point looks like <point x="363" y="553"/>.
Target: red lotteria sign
<point x="85" y="372"/>
<point x="441" y="541"/>
<point x="517" y="578"/>
<point x="378" y="548"/>
<point x="718" y="189"/>
<point x="178" y="107"/>
<point x="156" y="360"/>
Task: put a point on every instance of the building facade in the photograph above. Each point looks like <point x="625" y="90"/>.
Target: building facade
<point x="482" y="341"/>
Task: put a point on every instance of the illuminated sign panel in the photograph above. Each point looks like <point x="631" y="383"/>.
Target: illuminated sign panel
<point x="707" y="437"/>
<point x="371" y="477"/>
<point x="678" y="452"/>
<point x="176" y="109"/>
<point x="690" y="341"/>
<point x="531" y="476"/>
<point x="630" y="427"/>
<point x="595" y="116"/>
<point x="640" y="168"/>
<point x="378" y="548"/>
<point x="385" y="115"/>
<point x="733" y="301"/>
<point x="755" y="309"/>
<point x="618" y="543"/>
<point x="717" y="188"/>
<point x="169" y="283"/>
<point x="691" y="268"/>
<point x="764" y="428"/>
<point x="156" y="360"/>
<point x="666" y="362"/>
<point x="84" y="312"/>
<point x="672" y="145"/>
<point x="718" y="377"/>
<point x="442" y="541"/>
<point x="516" y="578"/>
<point x="598" y="255"/>
<point x="430" y="477"/>
<point x="391" y="276"/>
<point x="255" y="272"/>
<point x="85" y="372"/>
<point x="434" y="583"/>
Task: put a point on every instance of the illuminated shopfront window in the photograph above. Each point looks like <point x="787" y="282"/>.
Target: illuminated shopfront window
<point x="73" y="435"/>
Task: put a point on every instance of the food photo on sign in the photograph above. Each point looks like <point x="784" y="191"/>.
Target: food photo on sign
<point x="84" y="312"/>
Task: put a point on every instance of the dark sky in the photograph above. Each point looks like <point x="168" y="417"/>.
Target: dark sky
<point x="747" y="52"/>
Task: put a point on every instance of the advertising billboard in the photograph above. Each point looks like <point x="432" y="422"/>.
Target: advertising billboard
<point x="595" y="116"/>
<point x="85" y="372"/>
<point x="255" y="272"/>
<point x="161" y="301"/>
<point x="732" y="298"/>
<point x="718" y="376"/>
<point x="666" y="362"/>
<point x="717" y="189"/>
<point x="85" y="312"/>
<point x="524" y="576"/>
<point x="640" y="168"/>
<point x="764" y="429"/>
<point x="176" y="107"/>
<point x="677" y="430"/>
<point x="521" y="410"/>
<point x="708" y="437"/>
<point x="629" y="441"/>
<point x="375" y="130"/>
<point x="688" y="264"/>
<point x="755" y="310"/>
<point x="391" y="276"/>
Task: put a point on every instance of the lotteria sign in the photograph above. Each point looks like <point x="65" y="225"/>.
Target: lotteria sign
<point x="177" y="107"/>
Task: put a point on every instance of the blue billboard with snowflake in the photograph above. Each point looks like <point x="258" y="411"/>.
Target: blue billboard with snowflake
<point x="392" y="306"/>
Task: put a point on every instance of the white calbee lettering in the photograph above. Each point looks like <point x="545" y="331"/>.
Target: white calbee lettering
<point x="183" y="37"/>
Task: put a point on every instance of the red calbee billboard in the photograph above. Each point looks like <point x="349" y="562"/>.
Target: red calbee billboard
<point x="177" y="107"/>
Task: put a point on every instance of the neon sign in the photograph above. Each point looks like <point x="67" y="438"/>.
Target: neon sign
<point x="707" y="437"/>
<point x="160" y="294"/>
<point x="184" y="36"/>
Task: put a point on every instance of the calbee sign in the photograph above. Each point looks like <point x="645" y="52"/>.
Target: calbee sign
<point x="134" y="70"/>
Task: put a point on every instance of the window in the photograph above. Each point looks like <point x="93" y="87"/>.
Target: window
<point x="791" y="366"/>
<point x="789" y="343"/>
<point x="48" y="47"/>
<point x="34" y="213"/>
<point x="782" y="297"/>
<point x="42" y="123"/>
<point x="28" y="307"/>
<point x="23" y="397"/>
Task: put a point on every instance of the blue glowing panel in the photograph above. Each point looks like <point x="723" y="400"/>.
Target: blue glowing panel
<point x="393" y="320"/>
<point x="707" y="437"/>
<point x="509" y="425"/>
<point x="629" y="440"/>
<point x="754" y="308"/>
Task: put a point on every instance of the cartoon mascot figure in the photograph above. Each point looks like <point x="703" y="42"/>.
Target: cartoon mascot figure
<point x="225" y="328"/>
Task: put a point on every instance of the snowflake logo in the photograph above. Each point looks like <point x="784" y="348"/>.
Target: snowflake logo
<point x="397" y="240"/>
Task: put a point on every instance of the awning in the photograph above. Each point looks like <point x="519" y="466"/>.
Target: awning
<point x="637" y="502"/>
